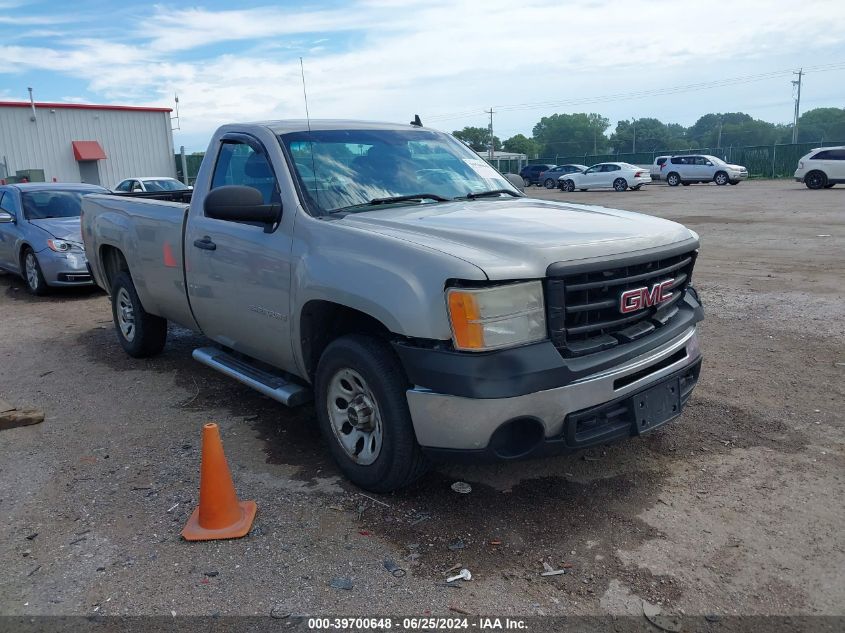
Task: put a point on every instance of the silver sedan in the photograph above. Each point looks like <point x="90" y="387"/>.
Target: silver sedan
<point x="40" y="235"/>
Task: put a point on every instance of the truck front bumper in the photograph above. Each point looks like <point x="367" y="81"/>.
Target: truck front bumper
<point x="590" y="409"/>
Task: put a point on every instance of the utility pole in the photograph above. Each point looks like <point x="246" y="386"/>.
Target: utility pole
<point x="797" y="83"/>
<point x="634" y="146"/>
<point x="719" y="140"/>
<point x="492" y="144"/>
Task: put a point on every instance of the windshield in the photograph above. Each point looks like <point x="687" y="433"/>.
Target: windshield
<point x="163" y="184"/>
<point x="40" y="205"/>
<point x="343" y="169"/>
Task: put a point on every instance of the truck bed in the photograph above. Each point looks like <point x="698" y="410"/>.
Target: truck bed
<point x="149" y="234"/>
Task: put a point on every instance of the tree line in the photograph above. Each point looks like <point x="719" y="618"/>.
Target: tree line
<point x="582" y="133"/>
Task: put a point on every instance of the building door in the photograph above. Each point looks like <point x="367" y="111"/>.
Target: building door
<point x="89" y="172"/>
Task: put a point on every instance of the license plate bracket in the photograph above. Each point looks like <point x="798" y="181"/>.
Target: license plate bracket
<point x="656" y="406"/>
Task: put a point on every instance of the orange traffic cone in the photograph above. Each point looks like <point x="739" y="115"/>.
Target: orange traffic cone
<point x="220" y="515"/>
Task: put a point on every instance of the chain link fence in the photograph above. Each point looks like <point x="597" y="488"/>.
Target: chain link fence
<point x="762" y="161"/>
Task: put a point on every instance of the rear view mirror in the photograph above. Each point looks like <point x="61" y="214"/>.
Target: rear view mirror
<point x="6" y="218"/>
<point x="237" y="203"/>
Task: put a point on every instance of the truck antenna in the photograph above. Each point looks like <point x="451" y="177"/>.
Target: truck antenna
<point x="308" y="121"/>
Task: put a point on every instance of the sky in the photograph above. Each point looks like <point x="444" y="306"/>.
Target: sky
<point x="447" y="60"/>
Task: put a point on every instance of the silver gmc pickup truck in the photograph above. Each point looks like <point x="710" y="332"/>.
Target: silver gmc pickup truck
<point x="427" y="306"/>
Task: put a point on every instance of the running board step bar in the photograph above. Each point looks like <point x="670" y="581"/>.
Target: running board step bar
<point x="271" y="385"/>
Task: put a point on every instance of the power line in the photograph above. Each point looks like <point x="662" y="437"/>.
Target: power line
<point x="732" y="81"/>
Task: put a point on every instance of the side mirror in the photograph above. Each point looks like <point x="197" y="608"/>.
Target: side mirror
<point x="709" y="164"/>
<point x="516" y="180"/>
<point x="6" y="217"/>
<point x="237" y="203"/>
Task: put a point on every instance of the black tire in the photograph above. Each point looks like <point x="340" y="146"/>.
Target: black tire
<point x="815" y="180"/>
<point x="637" y="188"/>
<point x="620" y="184"/>
<point x="568" y="185"/>
<point x="549" y="183"/>
<point x="721" y="178"/>
<point x="830" y="185"/>
<point x="734" y="182"/>
<point x="673" y="179"/>
<point x="686" y="184"/>
<point x="35" y="282"/>
<point x="526" y="182"/>
<point x="149" y="332"/>
<point x="400" y="460"/>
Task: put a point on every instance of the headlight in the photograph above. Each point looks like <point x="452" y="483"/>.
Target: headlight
<point x="63" y="246"/>
<point x="503" y="316"/>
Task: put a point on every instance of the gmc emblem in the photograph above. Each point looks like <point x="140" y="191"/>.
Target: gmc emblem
<point x="639" y="298"/>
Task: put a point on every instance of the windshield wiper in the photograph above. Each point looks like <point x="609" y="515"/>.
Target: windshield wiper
<point x="492" y="192"/>
<point x="389" y="200"/>
<point x="415" y="196"/>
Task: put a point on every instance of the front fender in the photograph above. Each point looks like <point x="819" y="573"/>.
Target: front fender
<point x="401" y="284"/>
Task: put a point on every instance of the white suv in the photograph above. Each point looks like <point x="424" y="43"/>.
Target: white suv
<point x="822" y="168"/>
<point x="688" y="168"/>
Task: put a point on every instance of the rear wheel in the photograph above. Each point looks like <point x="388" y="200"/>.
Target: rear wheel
<point x="140" y="334"/>
<point x="815" y="180"/>
<point x="33" y="276"/>
<point x="673" y="179"/>
<point x="549" y="183"/>
<point x="363" y="413"/>
<point x="721" y="178"/>
<point x="620" y="184"/>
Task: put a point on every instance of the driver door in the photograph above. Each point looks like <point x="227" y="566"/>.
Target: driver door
<point x="8" y="230"/>
<point x="239" y="273"/>
<point x="590" y="177"/>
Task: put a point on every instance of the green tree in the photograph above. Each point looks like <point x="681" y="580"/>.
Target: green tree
<point x="521" y="144"/>
<point x="651" y="135"/>
<point x="478" y="138"/>
<point x="569" y="134"/>
<point x="821" y="124"/>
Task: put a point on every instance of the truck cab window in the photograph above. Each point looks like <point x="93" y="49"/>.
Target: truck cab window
<point x="240" y="164"/>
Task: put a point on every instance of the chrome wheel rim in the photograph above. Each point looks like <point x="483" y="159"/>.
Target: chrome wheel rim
<point x="31" y="266"/>
<point x="620" y="185"/>
<point x="721" y="179"/>
<point x="125" y="315"/>
<point x="355" y="417"/>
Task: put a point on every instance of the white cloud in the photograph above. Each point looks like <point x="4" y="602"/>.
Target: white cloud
<point x="440" y="56"/>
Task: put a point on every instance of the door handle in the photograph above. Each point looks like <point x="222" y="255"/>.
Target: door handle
<point x="206" y="244"/>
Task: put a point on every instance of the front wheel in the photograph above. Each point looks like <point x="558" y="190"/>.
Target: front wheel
<point x="549" y="183"/>
<point x="140" y="334"/>
<point x="35" y="283"/>
<point x="363" y="413"/>
<point x="815" y="180"/>
<point x="721" y="178"/>
<point x="673" y="180"/>
<point x="568" y="186"/>
<point x="620" y="184"/>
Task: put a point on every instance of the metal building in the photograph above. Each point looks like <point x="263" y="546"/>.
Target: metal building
<point x="98" y="144"/>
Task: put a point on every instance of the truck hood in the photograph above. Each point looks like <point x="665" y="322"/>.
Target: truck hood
<point x="519" y="238"/>
<point x="69" y="229"/>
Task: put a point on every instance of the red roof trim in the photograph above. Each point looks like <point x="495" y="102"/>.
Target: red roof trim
<point x="87" y="150"/>
<point x="80" y="106"/>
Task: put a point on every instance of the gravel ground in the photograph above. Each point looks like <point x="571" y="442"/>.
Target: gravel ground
<point x="736" y="508"/>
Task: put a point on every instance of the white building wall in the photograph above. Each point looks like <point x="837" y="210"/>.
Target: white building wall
<point x="136" y="142"/>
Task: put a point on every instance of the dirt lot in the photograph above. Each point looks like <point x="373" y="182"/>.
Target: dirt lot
<point x="737" y="508"/>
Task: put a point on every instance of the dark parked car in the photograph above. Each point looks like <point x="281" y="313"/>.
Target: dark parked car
<point x="549" y="178"/>
<point x="531" y="173"/>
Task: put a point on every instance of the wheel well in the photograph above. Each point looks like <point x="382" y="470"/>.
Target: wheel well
<point x="24" y="246"/>
<point x="321" y="322"/>
<point x="817" y="171"/>
<point x="113" y="262"/>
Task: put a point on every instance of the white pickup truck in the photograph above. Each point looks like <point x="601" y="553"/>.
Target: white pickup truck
<point x="427" y="306"/>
